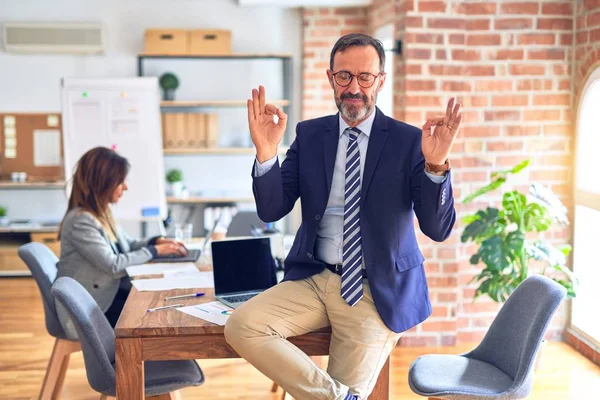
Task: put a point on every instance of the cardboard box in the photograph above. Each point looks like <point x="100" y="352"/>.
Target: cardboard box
<point x="166" y="41"/>
<point x="209" y="42"/>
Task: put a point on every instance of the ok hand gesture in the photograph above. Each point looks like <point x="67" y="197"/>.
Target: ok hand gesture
<point x="266" y="134"/>
<point x="438" y="134"/>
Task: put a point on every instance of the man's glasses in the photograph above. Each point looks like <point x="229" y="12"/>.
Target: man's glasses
<point x="364" y="79"/>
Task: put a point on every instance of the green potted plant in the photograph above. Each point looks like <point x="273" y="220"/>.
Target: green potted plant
<point x="175" y="179"/>
<point x="511" y="236"/>
<point x="3" y="217"/>
<point x="168" y="82"/>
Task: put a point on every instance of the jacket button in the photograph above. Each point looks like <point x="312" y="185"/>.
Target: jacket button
<point x="309" y="255"/>
<point x="318" y="217"/>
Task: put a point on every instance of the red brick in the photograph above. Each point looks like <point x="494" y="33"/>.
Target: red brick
<point x="521" y="130"/>
<point x="595" y="35"/>
<point x="456" y="86"/>
<point x="484" y="305"/>
<point x="413" y="69"/>
<point x="355" y="21"/>
<point x="475" y="8"/>
<point x="447" y="297"/>
<point x="483" y="40"/>
<point x="348" y="11"/>
<point x="471" y="162"/>
<point x="527" y="69"/>
<point x="414" y="22"/>
<point x="419" y="101"/>
<point x="317" y="44"/>
<point x="555" y="23"/>
<point x="474" y="101"/>
<point x="470" y="337"/>
<point x="493" y="86"/>
<point x="325" y="11"/>
<point x="549" y="54"/>
<point x="548" y="175"/>
<point x="323" y="32"/>
<point x="446" y="23"/>
<point x="432" y="6"/>
<point x="328" y="22"/>
<point x="479" y="70"/>
<point x="443" y="282"/>
<point x="477" y="24"/>
<point x="506" y="55"/>
<point x="565" y="8"/>
<point x="418" y="341"/>
<point x="541" y="115"/>
<point x="418" y="54"/>
<point x="439" y="326"/>
<point x="512" y="100"/>
<point x="520" y="8"/>
<point x="441" y="54"/>
<point x="553" y="160"/>
<point x="450" y="268"/>
<point x="536" y="38"/>
<point x="561" y="70"/>
<point x="534" y="84"/>
<point x="439" y="312"/>
<point x="456" y="38"/>
<point x="513" y="23"/>
<point x="593" y="19"/>
<point x="420" y="85"/>
<point x="564" y="85"/>
<point x="566" y="39"/>
<point x="466" y="55"/>
<point x="502" y="115"/>
<point x="552" y="100"/>
<point x="427" y="38"/>
<point x="479" y="131"/>
<point x="504" y="146"/>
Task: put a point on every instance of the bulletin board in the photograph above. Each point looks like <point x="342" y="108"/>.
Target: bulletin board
<point x="31" y="143"/>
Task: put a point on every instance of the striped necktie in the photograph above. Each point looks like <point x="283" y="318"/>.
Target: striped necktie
<point x="352" y="288"/>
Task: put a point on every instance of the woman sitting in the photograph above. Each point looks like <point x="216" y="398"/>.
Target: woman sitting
<point x="94" y="250"/>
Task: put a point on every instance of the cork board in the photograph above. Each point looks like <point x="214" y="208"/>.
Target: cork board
<point x="24" y="128"/>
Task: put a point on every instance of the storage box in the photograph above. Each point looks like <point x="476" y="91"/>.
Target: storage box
<point x="190" y="130"/>
<point x="209" y="42"/>
<point x="166" y="41"/>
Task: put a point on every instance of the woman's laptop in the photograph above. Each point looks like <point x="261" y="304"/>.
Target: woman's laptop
<point x="242" y="268"/>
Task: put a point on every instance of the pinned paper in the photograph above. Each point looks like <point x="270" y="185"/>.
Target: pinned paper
<point x="46" y="148"/>
<point x="9" y="120"/>
<point x="52" y="121"/>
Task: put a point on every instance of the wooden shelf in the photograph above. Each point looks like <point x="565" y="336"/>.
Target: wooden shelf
<point x="217" y="150"/>
<point x="202" y="200"/>
<point x="32" y="185"/>
<point x="216" y="103"/>
<point x="217" y="56"/>
<point x="28" y="228"/>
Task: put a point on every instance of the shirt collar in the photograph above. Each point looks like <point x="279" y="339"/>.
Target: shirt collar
<point x="365" y="126"/>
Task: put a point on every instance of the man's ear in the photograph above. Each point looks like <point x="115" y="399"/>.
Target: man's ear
<point x="381" y="82"/>
<point x="330" y="78"/>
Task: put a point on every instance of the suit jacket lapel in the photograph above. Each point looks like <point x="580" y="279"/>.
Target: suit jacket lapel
<point x="330" y="144"/>
<point x="376" y="142"/>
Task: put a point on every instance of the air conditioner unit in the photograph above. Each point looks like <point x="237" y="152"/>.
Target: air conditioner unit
<point x="54" y="38"/>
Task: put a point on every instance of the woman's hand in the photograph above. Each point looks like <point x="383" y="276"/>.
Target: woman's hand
<point x="165" y="247"/>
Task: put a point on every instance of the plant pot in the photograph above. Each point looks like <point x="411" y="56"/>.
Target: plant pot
<point x="177" y="189"/>
<point x="168" y="94"/>
<point x="539" y="355"/>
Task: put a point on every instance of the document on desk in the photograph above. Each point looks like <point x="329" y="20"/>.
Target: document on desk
<point x="161" y="268"/>
<point x="194" y="281"/>
<point x="215" y="312"/>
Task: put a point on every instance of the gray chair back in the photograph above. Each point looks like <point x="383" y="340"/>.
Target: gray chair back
<point x="41" y="261"/>
<point x="242" y="224"/>
<point x="512" y="342"/>
<point x="95" y="333"/>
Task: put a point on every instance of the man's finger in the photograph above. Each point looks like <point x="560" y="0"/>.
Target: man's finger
<point x="270" y="109"/>
<point x="257" y="110"/>
<point x="251" y="116"/>
<point x="449" y="110"/>
<point x="261" y="98"/>
<point x="282" y="123"/>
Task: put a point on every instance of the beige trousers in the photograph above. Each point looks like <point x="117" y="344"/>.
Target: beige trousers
<point x="360" y="341"/>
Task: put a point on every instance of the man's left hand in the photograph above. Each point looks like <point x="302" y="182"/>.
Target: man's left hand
<point x="438" y="134"/>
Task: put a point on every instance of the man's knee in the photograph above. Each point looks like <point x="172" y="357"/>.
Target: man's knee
<point x="240" y="325"/>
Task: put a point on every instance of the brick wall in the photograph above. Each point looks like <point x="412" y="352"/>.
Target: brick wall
<point x="510" y="64"/>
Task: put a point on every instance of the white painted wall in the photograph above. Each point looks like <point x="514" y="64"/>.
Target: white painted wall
<point x="30" y="82"/>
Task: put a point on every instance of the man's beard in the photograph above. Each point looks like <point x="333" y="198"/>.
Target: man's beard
<point x="352" y="112"/>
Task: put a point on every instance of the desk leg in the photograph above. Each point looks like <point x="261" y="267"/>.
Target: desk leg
<point x="382" y="387"/>
<point x="129" y="369"/>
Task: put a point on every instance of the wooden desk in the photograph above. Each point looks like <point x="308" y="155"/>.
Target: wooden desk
<point x="173" y="335"/>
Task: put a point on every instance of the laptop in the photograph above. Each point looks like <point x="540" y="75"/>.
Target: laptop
<point x="242" y="268"/>
<point x="192" y="256"/>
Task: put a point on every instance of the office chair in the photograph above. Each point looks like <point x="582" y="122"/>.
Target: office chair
<point x="97" y="337"/>
<point x="244" y="223"/>
<point x="41" y="261"/>
<point x="502" y="366"/>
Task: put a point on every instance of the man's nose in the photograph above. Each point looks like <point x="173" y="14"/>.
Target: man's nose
<point x="354" y="87"/>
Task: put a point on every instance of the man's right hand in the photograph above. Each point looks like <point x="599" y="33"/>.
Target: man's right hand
<point x="266" y="134"/>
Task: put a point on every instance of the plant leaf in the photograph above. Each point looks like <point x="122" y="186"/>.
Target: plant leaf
<point x="514" y="204"/>
<point x="536" y="217"/>
<point x="495" y="184"/>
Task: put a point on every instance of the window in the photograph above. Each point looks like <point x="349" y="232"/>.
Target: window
<point x="586" y="260"/>
<point x="385" y="99"/>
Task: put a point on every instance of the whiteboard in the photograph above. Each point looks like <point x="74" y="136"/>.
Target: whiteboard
<point x="123" y="114"/>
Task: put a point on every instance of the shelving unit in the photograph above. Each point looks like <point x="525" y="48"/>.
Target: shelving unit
<point x="216" y="103"/>
<point x="32" y="185"/>
<point x="217" y="150"/>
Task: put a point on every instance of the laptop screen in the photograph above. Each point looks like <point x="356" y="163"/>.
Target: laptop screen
<point x="243" y="265"/>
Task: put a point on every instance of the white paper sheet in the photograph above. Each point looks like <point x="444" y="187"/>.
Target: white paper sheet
<point x="187" y="270"/>
<point x="195" y="281"/>
<point x="46" y="148"/>
<point x="157" y="268"/>
<point x="215" y="312"/>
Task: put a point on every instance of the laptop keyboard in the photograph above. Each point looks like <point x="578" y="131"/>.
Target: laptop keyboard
<point x="240" y="297"/>
<point x="192" y="254"/>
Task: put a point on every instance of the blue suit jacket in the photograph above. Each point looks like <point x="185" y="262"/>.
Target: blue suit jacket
<point x="394" y="184"/>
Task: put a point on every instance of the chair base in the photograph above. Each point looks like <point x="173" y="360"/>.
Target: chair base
<point x="57" y="368"/>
